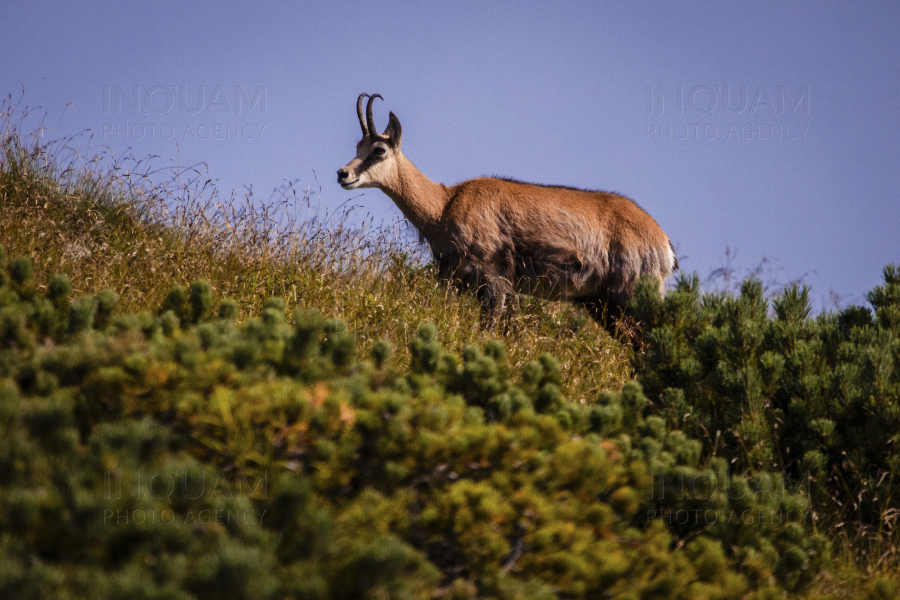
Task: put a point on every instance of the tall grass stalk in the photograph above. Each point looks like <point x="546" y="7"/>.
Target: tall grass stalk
<point x="127" y="224"/>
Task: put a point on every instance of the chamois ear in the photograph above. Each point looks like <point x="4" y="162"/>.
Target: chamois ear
<point x="393" y="130"/>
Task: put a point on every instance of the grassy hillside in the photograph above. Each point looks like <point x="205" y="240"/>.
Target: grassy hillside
<point x="200" y="400"/>
<point x="140" y="234"/>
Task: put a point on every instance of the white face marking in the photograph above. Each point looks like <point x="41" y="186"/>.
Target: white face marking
<point x="372" y="165"/>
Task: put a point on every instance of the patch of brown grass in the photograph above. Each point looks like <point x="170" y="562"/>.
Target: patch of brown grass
<point x="140" y="231"/>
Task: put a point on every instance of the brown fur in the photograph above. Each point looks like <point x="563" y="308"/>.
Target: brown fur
<point x="501" y="236"/>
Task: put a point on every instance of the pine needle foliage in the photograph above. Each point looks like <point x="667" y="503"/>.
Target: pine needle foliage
<point x="768" y="387"/>
<point x="187" y="456"/>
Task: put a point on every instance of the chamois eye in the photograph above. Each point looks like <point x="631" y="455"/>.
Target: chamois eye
<point x="379" y="152"/>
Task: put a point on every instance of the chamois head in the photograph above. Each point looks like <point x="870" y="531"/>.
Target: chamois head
<point x="376" y="153"/>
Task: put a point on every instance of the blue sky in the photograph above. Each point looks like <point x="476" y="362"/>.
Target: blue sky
<point x="799" y="163"/>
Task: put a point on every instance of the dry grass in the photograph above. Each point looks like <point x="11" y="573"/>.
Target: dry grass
<point x="124" y="225"/>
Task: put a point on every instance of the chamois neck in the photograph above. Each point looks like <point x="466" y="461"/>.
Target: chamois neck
<point x="421" y="200"/>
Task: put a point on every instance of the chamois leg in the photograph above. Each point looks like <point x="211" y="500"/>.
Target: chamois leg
<point x="610" y="314"/>
<point x="493" y="294"/>
<point x="603" y="311"/>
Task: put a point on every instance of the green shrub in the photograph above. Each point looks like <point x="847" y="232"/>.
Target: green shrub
<point x="770" y="388"/>
<point x="193" y="458"/>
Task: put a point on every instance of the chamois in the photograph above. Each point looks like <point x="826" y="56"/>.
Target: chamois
<point x="501" y="236"/>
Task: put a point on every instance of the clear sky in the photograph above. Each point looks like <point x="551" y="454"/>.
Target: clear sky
<point x="770" y="128"/>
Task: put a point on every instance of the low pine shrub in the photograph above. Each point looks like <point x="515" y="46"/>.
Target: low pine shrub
<point x="770" y="388"/>
<point x="180" y="455"/>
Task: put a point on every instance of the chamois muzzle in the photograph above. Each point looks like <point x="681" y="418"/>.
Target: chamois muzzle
<point x="344" y="177"/>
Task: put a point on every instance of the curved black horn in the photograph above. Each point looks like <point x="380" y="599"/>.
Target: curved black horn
<point x="369" y="119"/>
<point x="359" y="113"/>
